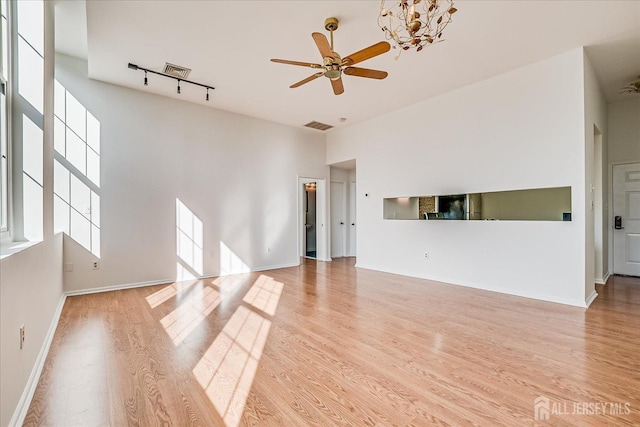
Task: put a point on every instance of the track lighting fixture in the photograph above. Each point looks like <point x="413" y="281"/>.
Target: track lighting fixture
<point x="146" y="81"/>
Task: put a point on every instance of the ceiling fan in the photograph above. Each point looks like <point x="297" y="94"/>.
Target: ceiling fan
<point x="333" y="65"/>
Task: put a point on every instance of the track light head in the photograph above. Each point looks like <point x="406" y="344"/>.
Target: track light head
<point x="178" y="86"/>
<point x="207" y="97"/>
<point x="146" y="82"/>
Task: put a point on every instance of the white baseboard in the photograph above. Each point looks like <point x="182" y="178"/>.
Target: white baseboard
<point x="518" y="293"/>
<point x="120" y="287"/>
<point x="161" y="282"/>
<point x="30" y="388"/>
<point x="603" y="281"/>
<point x="590" y="299"/>
<point x="275" y="267"/>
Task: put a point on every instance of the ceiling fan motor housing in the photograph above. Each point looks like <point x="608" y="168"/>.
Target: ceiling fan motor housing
<point x="331" y="24"/>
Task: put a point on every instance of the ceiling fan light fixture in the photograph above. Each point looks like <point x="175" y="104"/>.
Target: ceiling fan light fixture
<point x="415" y="25"/>
<point x="333" y="64"/>
<point x="633" y="87"/>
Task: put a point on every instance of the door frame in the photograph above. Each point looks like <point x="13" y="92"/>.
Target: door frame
<point x="344" y="216"/>
<point x="353" y="211"/>
<point x="321" y="217"/>
<point x="609" y="220"/>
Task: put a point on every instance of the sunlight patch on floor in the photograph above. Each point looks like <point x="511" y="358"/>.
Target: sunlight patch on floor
<point x="168" y="292"/>
<point x="227" y="369"/>
<point x="189" y="314"/>
<point x="264" y="294"/>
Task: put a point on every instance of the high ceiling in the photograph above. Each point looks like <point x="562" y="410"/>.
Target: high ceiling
<point x="228" y="44"/>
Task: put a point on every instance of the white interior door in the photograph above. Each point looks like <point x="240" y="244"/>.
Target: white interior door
<point x="338" y="219"/>
<point x="352" y="220"/>
<point x="626" y="233"/>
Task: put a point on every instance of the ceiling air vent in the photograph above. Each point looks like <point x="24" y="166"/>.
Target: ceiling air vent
<point x="176" y="70"/>
<point x="318" y="125"/>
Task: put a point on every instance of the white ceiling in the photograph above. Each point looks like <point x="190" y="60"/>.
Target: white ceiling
<point x="228" y="45"/>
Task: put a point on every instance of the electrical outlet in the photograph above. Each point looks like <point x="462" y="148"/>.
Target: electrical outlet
<point x="21" y="337"/>
<point x="426" y="254"/>
<point x="95" y="265"/>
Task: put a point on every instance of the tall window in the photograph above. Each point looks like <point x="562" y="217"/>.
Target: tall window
<point x="21" y="119"/>
<point x="76" y="179"/>
<point x="4" y="128"/>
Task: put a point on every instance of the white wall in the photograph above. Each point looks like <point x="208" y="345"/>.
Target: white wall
<point x="29" y="295"/>
<point x="623" y="147"/>
<point x="624" y="130"/>
<point x="523" y="129"/>
<point x="237" y="174"/>
<point x="596" y="184"/>
<point x="31" y="286"/>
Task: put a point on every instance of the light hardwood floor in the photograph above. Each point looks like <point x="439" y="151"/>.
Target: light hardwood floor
<point x="327" y="344"/>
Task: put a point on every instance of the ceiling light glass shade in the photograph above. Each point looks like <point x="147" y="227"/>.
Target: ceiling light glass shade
<point x="415" y="23"/>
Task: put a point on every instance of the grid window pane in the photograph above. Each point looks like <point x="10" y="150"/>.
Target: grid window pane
<point x="30" y="75"/>
<point x="4" y="171"/>
<point x="80" y="197"/>
<point x="31" y="23"/>
<point x="185" y="220"/>
<point x="32" y="151"/>
<point x="197" y="232"/>
<point x="59" y="101"/>
<point x="93" y="132"/>
<point x="95" y="240"/>
<point x="80" y="229"/>
<point x="93" y="167"/>
<point x="60" y="215"/>
<point x="76" y="116"/>
<point x="95" y="209"/>
<point x="32" y="205"/>
<point x="5" y="47"/>
<point x="59" y="130"/>
<point x="61" y="181"/>
<point x="76" y="151"/>
<point x="197" y="260"/>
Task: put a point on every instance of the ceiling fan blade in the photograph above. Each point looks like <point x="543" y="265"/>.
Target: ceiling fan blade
<point x="307" y="80"/>
<point x="365" y="72"/>
<point x="366" y="53"/>
<point x="338" y="88"/>
<point x="323" y="44"/>
<point x="302" y="64"/>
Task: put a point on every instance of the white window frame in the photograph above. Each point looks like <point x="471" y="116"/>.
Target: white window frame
<point x="5" y="128"/>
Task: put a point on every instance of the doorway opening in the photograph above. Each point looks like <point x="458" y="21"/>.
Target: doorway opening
<point x="343" y="209"/>
<point x="310" y="220"/>
<point x="312" y="217"/>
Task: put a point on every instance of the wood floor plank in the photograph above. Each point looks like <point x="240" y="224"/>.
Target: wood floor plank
<point x="326" y="344"/>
